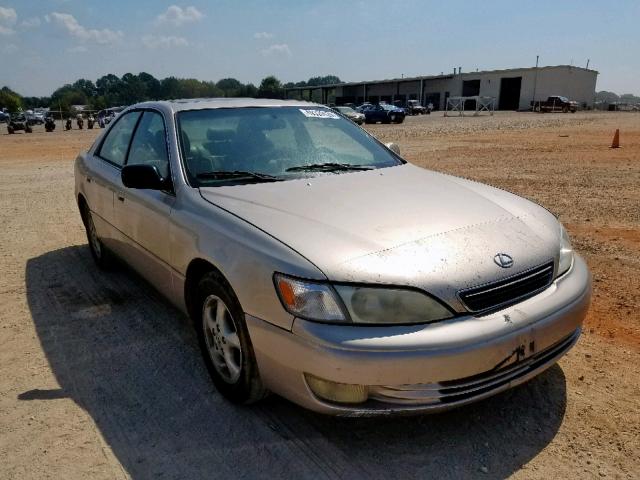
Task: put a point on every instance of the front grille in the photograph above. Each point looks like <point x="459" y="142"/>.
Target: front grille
<point x="508" y="291"/>
<point x="462" y="389"/>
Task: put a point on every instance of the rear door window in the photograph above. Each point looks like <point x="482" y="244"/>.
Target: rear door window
<point x="115" y="145"/>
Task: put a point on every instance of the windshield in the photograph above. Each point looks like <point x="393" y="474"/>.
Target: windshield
<point x="280" y="142"/>
<point x="388" y="107"/>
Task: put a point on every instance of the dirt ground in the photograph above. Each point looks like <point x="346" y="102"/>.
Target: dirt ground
<point x="101" y="378"/>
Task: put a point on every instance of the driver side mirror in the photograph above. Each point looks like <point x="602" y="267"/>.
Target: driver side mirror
<point x="144" y="176"/>
<point x="393" y="147"/>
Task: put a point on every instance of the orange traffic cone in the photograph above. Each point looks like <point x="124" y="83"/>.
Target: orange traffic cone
<point x="616" y="139"/>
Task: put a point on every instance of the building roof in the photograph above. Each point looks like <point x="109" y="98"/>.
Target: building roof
<point x="436" y="77"/>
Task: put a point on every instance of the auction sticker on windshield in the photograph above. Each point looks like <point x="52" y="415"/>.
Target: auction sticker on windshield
<point x="319" y="114"/>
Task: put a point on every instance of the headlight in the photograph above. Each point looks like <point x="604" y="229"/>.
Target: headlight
<point x="386" y="305"/>
<point x="566" y="252"/>
<point x="369" y="305"/>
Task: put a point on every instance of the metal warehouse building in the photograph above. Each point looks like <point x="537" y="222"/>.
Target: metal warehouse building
<point x="512" y="89"/>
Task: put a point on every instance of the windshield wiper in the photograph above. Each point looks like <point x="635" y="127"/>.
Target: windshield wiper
<point x="328" y="167"/>
<point x="237" y="174"/>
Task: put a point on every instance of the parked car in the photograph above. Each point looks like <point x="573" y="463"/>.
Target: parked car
<point x="413" y="107"/>
<point x="18" y="121"/>
<point x="363" y="107"/>
<point x="34" y="118"/>
<point x="351" y="114"/>
<point x="318" y="264"/>
<point x="108" y="115"/>
<point x="555" y="103"/>
<point x="384" y="113"/>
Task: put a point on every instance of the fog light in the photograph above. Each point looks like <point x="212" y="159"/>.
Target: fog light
<point x="337" y="392"/>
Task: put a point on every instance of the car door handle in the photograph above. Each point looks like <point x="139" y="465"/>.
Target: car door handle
<point x="120" y="197"/>
<point x="89" y="179"/>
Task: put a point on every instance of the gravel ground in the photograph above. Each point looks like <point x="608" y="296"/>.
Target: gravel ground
<point x="101" y="378"/>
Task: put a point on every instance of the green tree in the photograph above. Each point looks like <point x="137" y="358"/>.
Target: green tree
<point x="10" y="99"/>
<point x="326" y="80"/>
<point x="151" y="86"/>
<point x="270" y="87"/>
<point x="229" y="86"/>
<point x="98" y="103"/>
<point x="169" y="88"/>
<point x="66" y="96"/>
<point x="132" y="89"/>
<point x="35" y="102"/>
<point x="109" y="86"/>
<point x="248" y="91"/>
<point x="86" y="86"/>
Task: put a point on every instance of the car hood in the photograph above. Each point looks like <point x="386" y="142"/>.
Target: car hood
<point x="402" y="225"/>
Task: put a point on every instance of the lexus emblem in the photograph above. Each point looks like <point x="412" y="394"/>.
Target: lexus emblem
<point x="503" y="260"/>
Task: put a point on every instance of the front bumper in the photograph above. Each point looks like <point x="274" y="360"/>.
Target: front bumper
<point x="425" y="368"/>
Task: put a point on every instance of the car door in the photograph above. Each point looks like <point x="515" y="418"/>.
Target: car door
<point x="143" y="216"/>
<point x="102" y="177"/>
<point x="379" y="114"/>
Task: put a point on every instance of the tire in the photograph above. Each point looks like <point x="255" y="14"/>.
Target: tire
<point x="104" y="258"/>
<point x="392" y="118"/>
<point x="565" y="109"/>
<point x="225" y="343"/>
<point x="10" y="130"/>
<point x="28" y="130"/>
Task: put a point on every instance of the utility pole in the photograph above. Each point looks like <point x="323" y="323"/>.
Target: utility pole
<point x="535" y="82"/>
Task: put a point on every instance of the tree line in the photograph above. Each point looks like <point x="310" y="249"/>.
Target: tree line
<point x="111" y="91"/>
<point x="610" y="97"/>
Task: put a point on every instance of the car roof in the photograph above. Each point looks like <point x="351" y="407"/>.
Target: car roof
<point x="207" y="103"/>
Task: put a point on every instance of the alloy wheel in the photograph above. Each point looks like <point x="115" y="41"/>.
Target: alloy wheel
<point x="221" y="337"/>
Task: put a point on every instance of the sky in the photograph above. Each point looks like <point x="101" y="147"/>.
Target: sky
<point x="47" y="43"/>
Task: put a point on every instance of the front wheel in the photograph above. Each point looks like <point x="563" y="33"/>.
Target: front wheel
<point x="225" y="343"/>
